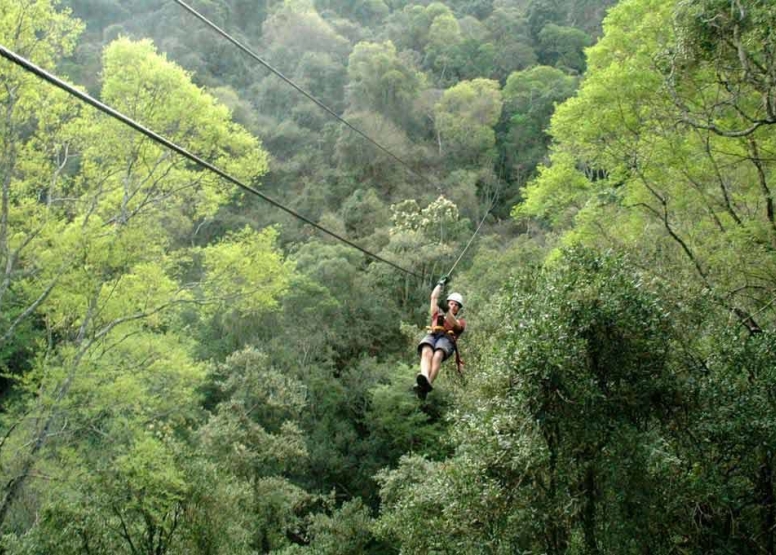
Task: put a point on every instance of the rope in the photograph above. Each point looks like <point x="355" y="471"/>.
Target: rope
<point x="471" y="240"/>
<point x="53" y="80"/>
<point x="320" y="104"/>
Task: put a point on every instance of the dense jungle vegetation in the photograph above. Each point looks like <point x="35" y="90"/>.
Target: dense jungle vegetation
<point x="188" y="370"/>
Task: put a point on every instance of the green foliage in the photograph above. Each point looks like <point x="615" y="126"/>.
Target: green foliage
<point x="366" y="12"/>
<point x="732" y="475"/>
<point x="682" y="199"/>
<point x="497" y="262"/>
<point x="692" y="195"/>
<point x="244" y="274"/>
<point x="153" y="493"/>
<point x="396" y="426"/>
<point x="99" y="271"/>
<point x="324" y="77"/>
<point x="380" y="81"/>
<point x="254" y="435"/>
<point x="408" y="28"/>
<point x="39" y="31"/>
<point x="509" y="30"/>
<point x="465" y="117"/>
<point x="176" y="386"/>
<point x="530" y="98"/>
<point x="252" y="431"/>
<point x="556" y="195"/>
<point x="544" y="12"/>
<point x="581" y="377"/>
<point x="452" y="500"/>
<point x="294" y="28"/>
<point x="427" y="240"/>
<point x="33" y="157"/>
<point x="563" y="47"/>
<point x="363" y="214"/>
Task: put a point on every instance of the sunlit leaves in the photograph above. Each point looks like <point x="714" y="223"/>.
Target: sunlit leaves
<point x="38" y="30"/>
<point x="665" y="178"/>
<point x="244" y="273"/>
<point x="137" y="174"/>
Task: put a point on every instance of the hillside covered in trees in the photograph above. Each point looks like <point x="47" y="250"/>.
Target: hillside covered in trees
<point x="187" y="369"/>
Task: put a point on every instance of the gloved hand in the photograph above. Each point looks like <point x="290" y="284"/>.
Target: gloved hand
<point x="443" y="280"/>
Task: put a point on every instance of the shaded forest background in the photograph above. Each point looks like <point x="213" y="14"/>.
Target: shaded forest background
<point x="186" y="369"/>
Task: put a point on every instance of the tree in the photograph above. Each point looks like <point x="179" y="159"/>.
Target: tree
<point x="358" y="157"/>
<point x="294" y="28"/>
<point x="509" y="30"/>
<point x="465" y="117"/>
<point x="255" y="433"/>
<point x="108" y="272"/>
<point x="563" y="47"/>
<point x="380" y="81"/>
<point x="426" y="240"/>
<point x="554" y="437"/>
<point x="444" y="36"/>
<point x="27" y="161"/>
<point x="543" y="12"/>
<point x="530" y="98"/>
<point x="407" y="29"/>
<point x="368" y="13"/>
<point x="678" y="191"/>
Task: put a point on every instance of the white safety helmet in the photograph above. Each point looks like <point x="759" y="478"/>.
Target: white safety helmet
<point x="456" y="297"/>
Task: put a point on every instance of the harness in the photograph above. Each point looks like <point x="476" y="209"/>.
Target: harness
<point x="435" y="328"/>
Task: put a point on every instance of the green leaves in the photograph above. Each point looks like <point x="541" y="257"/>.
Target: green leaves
<point x="379" y="80"/>
<point x="465" y="117"/>
<point x="37" y="30"/>
<point x="530" y="98"/>
<point x="574" y="374"/>
<point x="663" y="157"/>
<point x="244" y="274"/>
<point x="99" y="257"/>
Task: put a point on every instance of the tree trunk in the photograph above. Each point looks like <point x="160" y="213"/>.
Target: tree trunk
<point x="589" y="512"/>
<point x="767" y="502"/>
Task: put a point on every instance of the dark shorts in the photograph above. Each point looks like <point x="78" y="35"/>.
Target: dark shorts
<point x="438" y="342"/>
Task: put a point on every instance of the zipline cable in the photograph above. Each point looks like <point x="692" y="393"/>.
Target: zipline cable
<point x="323" y="106"/>
<point x="471" y="240"/>
<point x="482" y="221"/>
<point x="308" y="95"/>
<point x="57" y="82"/>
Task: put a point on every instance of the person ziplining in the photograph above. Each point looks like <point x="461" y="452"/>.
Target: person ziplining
<point x="442" y="339"/>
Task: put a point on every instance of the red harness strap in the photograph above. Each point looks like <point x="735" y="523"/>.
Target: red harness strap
<point x="458" y="361"/>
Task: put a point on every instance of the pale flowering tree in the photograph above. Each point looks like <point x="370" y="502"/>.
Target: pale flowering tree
<point x="426" y="240"/>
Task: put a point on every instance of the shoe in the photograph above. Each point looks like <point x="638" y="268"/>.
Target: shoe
<point x="420" y="392"/>
<point x="423" y="386"/>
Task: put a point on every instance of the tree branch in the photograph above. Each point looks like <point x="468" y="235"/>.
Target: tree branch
<point x="30" y="309"/>
<point x="763" y="180"/>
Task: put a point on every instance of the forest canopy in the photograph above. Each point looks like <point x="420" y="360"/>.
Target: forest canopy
<point x="185" y="368"/>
